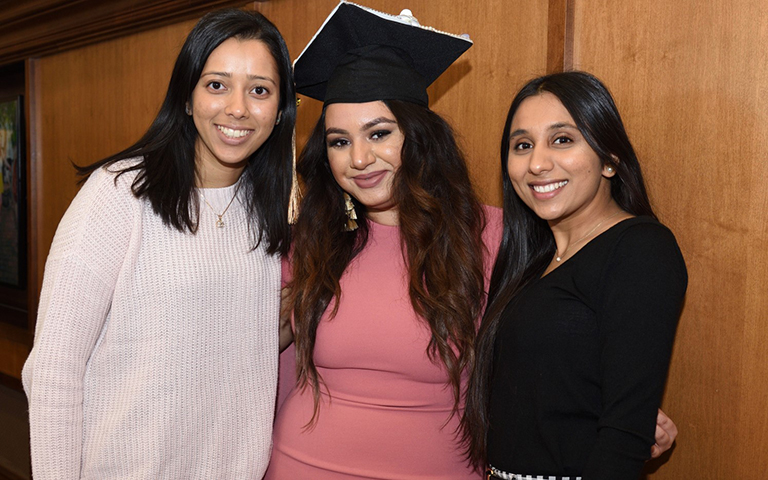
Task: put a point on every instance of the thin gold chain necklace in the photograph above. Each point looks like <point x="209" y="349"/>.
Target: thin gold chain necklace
<point x="220" y="220"/>
<point x="560" y="256"/>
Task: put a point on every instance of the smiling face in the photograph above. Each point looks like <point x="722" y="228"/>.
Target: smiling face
<point x="364" y="144"/>
<point x="552" y="167"/>
<point x="234" y="106"/>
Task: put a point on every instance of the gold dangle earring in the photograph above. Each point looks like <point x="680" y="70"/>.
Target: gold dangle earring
<point x="351" y="215"/>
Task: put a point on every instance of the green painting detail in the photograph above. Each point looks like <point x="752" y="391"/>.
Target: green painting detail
<point x="10" y="191"/>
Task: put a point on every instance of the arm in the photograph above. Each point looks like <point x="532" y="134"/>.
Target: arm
<point x="642" y="290"/>
<point x="77" y="292"/>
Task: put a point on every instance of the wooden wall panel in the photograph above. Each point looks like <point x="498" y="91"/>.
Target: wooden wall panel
<point x="691" y="79"/>
<point x="475" y="93"/>
<point x="92" y="102"/>
<point x="40" y="27"/>
<point x="98" y="99"/>
<point x="89" y="102"/>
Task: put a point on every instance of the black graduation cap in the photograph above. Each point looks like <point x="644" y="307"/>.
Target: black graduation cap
<point x="361" y="55"/>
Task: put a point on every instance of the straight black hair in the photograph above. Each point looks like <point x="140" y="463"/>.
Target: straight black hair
<point x="166" y="152"/>
<point x="527" y="243"/>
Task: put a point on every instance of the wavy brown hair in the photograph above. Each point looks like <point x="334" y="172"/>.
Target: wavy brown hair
<point x="441" y="224"/>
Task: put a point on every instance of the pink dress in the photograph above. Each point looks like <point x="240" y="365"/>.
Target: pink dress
<point x="388" y="415"/>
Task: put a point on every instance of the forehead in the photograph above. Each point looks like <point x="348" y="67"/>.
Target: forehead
<point x="540" y="111"/>
<point x="355" y="114"/>
<point x="249" y="57"/>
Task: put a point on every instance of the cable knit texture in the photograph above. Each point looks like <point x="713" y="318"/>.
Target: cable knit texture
<point x="155" y="353"/>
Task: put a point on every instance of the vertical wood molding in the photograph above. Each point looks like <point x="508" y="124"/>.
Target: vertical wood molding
<point x="560" y="23"/>
<point x="34" y="190"/>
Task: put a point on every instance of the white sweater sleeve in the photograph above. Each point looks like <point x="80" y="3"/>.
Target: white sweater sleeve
<point x="80" y="274"/>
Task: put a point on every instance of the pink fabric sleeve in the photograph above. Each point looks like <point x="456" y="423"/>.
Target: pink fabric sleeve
<point x="494" y="228"/>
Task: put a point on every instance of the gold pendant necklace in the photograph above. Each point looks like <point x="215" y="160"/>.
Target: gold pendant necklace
<point x="560" y="256"/>
<point x="220" y="221"/>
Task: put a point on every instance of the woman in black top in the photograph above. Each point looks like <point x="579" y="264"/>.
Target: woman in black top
<point x="573" y="351"/>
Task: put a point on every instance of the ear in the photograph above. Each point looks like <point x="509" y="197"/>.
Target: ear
<point x="609" y="168"/>
<point x="279" y="117"/>
<point x="187" y="109"/>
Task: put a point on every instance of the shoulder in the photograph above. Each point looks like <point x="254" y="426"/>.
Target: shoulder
<point x="645" y="233"/>
<point x="103" y="208"/>
<point x="647" y="246"/>
<point x="492" y="234"/>
<point x="494" y="227"/>
<point x="112" y="180"/>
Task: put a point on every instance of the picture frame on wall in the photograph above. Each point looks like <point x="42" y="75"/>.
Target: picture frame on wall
<point x="13" y="228"/>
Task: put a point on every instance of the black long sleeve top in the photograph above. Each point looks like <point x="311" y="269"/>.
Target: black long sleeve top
<point x="581" y="358"/>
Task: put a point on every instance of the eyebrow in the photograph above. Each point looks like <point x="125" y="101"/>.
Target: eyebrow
<point x="554" y="126"/>
<point x="367" y="126"/>
<point x="229" y="75"/>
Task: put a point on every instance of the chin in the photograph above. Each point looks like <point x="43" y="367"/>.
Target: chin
<point x="234" y="162"/>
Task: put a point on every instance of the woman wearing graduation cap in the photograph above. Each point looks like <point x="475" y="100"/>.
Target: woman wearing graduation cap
<point x="391" y="253"/>
<point x="390" y="256"/>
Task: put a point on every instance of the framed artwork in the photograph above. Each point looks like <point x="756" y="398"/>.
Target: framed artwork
<point x="13" y="228"/>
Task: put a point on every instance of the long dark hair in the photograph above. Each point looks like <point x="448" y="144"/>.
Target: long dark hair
<point x="527" y="244"/>
<point x="441" y="222"/>
<point x="166" y="169"/>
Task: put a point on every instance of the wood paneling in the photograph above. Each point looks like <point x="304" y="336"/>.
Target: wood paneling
<point x="94" y="101"/>
<point x="560" y="35"/>
<point x="475" y="93"/>
<point x="98" y="99"/>
<point x="34" y="191"/>
<point x="89" y="102"/>
<point x="691" y="80"/>
<point x="39" y="27"/>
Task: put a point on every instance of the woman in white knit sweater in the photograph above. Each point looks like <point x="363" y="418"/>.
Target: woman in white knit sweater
<point x="156" y="346"/>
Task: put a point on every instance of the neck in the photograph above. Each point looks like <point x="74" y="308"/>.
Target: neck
<point x="387" y="217"/>
<point x="573" y="233"/>
<point x="219" y="178"/>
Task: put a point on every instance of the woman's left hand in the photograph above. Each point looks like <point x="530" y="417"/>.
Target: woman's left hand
<point x="666" y="432"/>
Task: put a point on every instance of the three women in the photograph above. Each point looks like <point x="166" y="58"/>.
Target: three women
<point x="160" y="346"/>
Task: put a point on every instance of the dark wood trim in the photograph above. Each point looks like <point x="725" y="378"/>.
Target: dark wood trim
<point x="34" y="179"/>
<point x="17" y="334"/>
<point x="560" y="23"/>
<point x="34" y="28"/>
<point x="11" y="382"/>
<point x="8" y="475"/>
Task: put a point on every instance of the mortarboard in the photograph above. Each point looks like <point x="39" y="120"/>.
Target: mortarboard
<point x="361" y="55"/>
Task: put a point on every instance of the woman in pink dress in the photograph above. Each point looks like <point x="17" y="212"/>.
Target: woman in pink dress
<point x="391" y="253"/>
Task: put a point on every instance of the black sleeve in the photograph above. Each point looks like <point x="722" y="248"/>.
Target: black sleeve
<point x="641" y="294"/>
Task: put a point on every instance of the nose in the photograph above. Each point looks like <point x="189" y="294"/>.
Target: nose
<point x="362" y="155"/>
<point x="540" y="161"/>
<point x="237" y="106"/>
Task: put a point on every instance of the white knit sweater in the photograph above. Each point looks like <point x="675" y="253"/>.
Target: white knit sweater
<point x="155" y="353"/>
